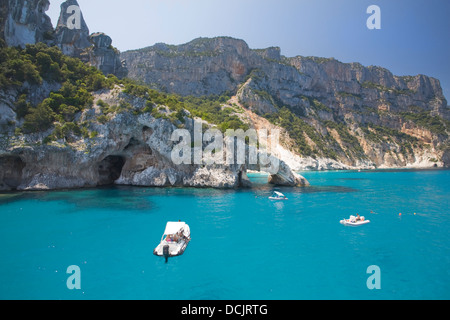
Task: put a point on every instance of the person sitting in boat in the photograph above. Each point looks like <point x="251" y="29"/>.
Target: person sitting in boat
<point x="358" y="218"/>
<point x="169" y="238"/>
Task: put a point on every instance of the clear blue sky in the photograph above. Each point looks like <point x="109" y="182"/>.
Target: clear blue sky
<point x="414" y="38"/>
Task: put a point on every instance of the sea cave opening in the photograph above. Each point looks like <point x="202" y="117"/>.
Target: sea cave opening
<point x="110" y="169"/>
<point x="11" y="169"/>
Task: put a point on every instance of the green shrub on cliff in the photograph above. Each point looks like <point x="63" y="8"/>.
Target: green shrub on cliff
<point x="39" y="119"/>
<point x="424" y="119"/>
<point x="15" y="69"/>
<point x="210" y="109"/>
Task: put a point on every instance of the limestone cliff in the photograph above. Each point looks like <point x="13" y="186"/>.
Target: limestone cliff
<point x="96" y="49"/>
<point x="129" y="147"/>
<point x="346" y="115"/>
<point x="200" y="67"/>
<point x="123" y="143"/>
<point x="332" y="115"/>
<point x="25" y="22"/>
<point x="104" y="56"/>
<point x="72" y="36"/>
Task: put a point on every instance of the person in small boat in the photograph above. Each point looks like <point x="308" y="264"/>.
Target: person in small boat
<point x="358" y="218"/>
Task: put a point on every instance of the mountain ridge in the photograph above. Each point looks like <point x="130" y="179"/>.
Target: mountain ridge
<point x="345" y="112"/>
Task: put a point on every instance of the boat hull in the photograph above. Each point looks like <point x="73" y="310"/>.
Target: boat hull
<point x="175" y="248"/>
<point x="354" y="224"/>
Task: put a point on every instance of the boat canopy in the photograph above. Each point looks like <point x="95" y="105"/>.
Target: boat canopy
<point x="174" y="227"/>
<point x="279" y="194"/>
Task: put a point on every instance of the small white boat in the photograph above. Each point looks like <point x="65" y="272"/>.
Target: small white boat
<point x="278" y="196"/>
<point x="174" y="241"/>
<point x="353" y="221"/>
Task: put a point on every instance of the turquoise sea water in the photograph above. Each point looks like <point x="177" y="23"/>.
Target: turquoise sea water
<point x="243" y="245"/>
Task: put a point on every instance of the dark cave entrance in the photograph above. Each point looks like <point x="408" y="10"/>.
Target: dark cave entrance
<point x="11" y="169"/>
<point x="110" y="169"/>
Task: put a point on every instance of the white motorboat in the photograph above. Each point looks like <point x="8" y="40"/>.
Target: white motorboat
<point x="354" y="221"/>
<point x="174" y="241"/>
<point x="278" y="196"/>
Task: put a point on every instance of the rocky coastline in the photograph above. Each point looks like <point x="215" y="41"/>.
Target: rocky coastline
<point x="331" y="115"/>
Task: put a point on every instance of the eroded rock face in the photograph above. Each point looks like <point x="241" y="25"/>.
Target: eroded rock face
<point x="105" y="57"/>
<point x="25" y="21"/>
<point x="446" y="158"/>
<point x="337" y="101"/>
<point x="11" y="168"/>
<point x="286" y="177"/>
<point x="263" y="80"/>
<point x="217" y="65"/>
<point x="7" y="115"/>
<point x="130" y="149"/>
<point x="4" y="9"/>
<point x="72" y="36"/>
<point x="72" y="32"/>
<point x="200" y="67"/>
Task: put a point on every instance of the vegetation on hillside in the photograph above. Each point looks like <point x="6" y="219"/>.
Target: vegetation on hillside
<point x="424" y="119"/>
<point x="209" y="108"/>
<point x="36" y="64"/>
<point x="299" y="131"/>
<point x="332" y="139"/>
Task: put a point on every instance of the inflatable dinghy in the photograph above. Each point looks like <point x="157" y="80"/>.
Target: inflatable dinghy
<point x="354" y="222"/>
